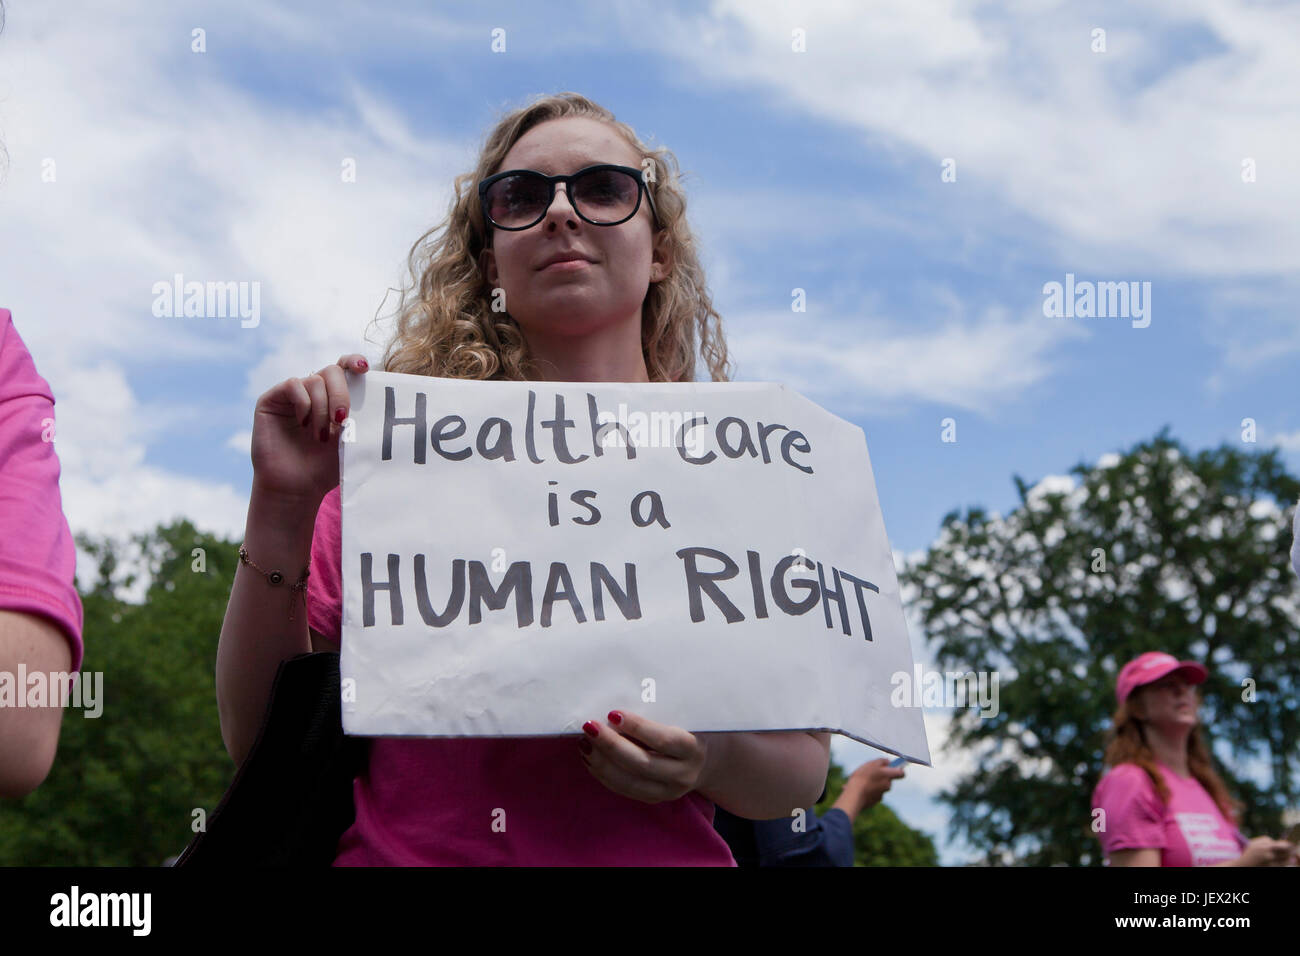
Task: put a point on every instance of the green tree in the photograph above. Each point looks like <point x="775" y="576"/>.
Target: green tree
<point x="125" y="784"/>
<point x="1154" y="549"/>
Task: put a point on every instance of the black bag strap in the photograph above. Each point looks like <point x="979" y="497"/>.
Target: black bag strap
<point x="291" y="799"/>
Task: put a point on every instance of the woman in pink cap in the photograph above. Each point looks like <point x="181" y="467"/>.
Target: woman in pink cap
<point x="1161" y="803"/>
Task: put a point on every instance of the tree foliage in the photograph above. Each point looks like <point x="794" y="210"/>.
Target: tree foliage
<point x="1155" y="549"/>
<point x="125" y="785"/>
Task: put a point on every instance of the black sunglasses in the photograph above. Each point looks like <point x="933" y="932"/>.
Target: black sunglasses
<point x="603" y="195"/>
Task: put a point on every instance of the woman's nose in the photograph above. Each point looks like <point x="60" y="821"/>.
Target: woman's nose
<point x="561" y="195"/>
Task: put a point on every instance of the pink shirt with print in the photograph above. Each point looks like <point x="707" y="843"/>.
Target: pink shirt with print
<point x="495" y="801"/>
<point x="38" y="559"/>
<point x="1190" y="831"/>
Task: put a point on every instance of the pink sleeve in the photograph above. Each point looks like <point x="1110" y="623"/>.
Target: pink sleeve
<point x="38" y="559"/>
<point x="1134" y="812"/>
<point x="325" y="582"/>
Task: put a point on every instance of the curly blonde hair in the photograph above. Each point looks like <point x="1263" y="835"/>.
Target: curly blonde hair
<point x="445" y="326"/>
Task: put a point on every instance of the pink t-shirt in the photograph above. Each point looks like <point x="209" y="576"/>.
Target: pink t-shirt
<point x="38" y="560"/>
<point x="499" y="801"/>
<point x="1190" y="831"/>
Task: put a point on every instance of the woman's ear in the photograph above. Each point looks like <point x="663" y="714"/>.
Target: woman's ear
<point x="487" y="264"/>
<point x="661" y="257"/>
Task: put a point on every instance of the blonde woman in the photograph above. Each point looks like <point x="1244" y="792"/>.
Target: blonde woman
<point x="602" y="283"/>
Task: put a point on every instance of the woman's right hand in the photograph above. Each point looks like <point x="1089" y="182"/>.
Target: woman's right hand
<point x="296" y="425"/>
<point x="1265" y="851"/>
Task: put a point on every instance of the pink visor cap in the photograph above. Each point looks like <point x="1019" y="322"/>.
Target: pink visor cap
<point x="1152" y="666"/>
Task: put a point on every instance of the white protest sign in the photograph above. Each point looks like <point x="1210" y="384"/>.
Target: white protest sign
<point x="520" y="557"/>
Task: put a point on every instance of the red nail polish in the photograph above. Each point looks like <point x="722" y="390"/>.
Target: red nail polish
<point x="615" y="718"/>
<point x="590" y="729"/>
<point x="362" y="363"/>
<point x="585" y="745"/>
<point x="340" y="415"/>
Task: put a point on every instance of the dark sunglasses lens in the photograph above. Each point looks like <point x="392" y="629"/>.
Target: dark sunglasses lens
<point x="606" y="195"/>
<point x="603" y="196"/>
<point x="517" y="200"/>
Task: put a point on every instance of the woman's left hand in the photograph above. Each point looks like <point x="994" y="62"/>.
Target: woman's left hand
<point x="642" y="759"/>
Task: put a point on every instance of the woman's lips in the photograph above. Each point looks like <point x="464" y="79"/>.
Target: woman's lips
<point x="567" y="265"/>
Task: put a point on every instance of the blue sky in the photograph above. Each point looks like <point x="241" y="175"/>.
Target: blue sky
<point x="818" y="170"/>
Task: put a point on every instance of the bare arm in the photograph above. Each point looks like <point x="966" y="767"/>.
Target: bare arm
<point x="1261" y="851"/>
<point x="1146" y="856"/>
<point x="29" y="736"/>
<point x="866" y="786"/>
<point x="762" y="776"/>
<point x="295" y="454"/>
<point x="257" y="634"/>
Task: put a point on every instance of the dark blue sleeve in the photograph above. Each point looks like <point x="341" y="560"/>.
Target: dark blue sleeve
<point x="827" y="841"/>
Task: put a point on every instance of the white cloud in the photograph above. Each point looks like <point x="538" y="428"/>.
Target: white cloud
<point x="872" y="366"/>
<point x="164" y="166"/>
<point x="1085" y="144"/>
<point x="241" y="442"/>
<point x="1252" y="327"/>
<point x="1050" y="485"/>
<point x="107" y="487"/>
<point x="161" y="164"/>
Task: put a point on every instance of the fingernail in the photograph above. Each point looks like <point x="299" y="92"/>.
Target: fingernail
<point x="325" y="433"/>
<point x="585" y="745"/>
<point x="340" y="415"/>
<point x="362" y="363"/>
<point x="590" y="729"/>
<point x="615" y="718"/>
